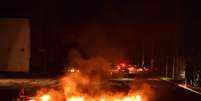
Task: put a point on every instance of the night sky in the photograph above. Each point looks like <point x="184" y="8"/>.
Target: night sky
<point x="113" y="28"/>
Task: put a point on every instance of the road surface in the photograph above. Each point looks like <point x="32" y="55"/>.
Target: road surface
<point x="152" y="88"/>
<point x="158" y="90"/>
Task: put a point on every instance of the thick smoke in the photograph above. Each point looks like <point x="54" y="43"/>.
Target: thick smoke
<point x="93" y="72"/>
<point x="96" y="39"/>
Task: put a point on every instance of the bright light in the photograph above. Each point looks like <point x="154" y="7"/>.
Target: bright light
<point x="102" y="99"/>
<point x="75" y="98"/>
<point x="92" y="100"/>
<point x="123" y="65"/>
<point x="81" y="98"/>
<point x="128" y="99"/>
<point x="138" y="98"/>
<point x="139" y="69"/>
<point x="46" y="98"/>
<point x="72" y="70"/>
<point x="117" y="99"/>
<point x="118" y="67"/>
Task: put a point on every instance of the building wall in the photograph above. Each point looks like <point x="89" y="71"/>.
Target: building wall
<point x="14" y="44"/>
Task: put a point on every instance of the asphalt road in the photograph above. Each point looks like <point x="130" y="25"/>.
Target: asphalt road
<point x="152" y="89"/>
<point x="157" y="90"/>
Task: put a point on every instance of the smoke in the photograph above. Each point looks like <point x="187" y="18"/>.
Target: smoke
<point x="143" y="88"/>
<point x="78" y="87"/>
<point x="93" y="72"/>
<point x="93" y="83"/>
<point x="88" y="66"/>
<point x="121" y="30"/>
<point x="97" y="38"/>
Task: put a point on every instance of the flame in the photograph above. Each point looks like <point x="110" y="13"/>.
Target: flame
<point x="102" y="99"/>
<point x="76" y="98"/>
<point x="118" y="67"/>
<point x="123" y="65"/>
<point x="72" y="70"/>
<point x="129" y="99"/>
<point x="72" y="91"/>
<point x="126" y="98"/>
<point x="46" y="98"/>
<point x="80" y="87"/>
<point x="138" y="98"/>
<point x="117" y="99"/>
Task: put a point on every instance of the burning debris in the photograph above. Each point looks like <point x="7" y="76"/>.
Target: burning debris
<point x="80" y="98"/>
<point x="91" y="83"/>
<point x="79" y="87"/>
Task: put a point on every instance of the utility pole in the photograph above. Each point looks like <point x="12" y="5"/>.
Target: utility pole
<point x="142" y="51"/>
<point x="142" y="57"/>
<point x="152" y="54"/>
<point x="173" y="68"/>
<point x="166" y="67"/>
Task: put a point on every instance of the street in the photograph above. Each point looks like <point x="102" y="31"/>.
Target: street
<point x="100" y="50"/>
<point x="152" y="89"/>
<point x="164" y="91"/>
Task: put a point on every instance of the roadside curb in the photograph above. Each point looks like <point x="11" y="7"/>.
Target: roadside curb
<point x="187" y="88"/>
<point x="181" y="86"/>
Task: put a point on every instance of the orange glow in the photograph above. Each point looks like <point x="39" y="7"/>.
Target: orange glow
<point x="123" y="65"/>
<point x="117" y="99"/>
<point x="118" y="67"/>
<point x="128" y="99"/>
<point x="46" y="98"/>
<point x="138" y="98"/>
<point x="72" y="90"/>
<point x="72" y="70"/>
<point x="76" y="98"/>
<point x="82" y="98"/>
<point x="102" y="99"/>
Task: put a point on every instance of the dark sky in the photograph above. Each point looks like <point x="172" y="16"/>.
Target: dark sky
<point x="123" y="28"/>
<point x="112" y="27"/>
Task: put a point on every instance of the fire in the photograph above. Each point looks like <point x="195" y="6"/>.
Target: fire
<point x="102" y="99"/>
<point x="117" y="99"/>
<point x="72" y="70"/>
<point x="123" y="64"/>
<point x="138" y="98"/>
<point x="118" y="67"/>
<point x="72" y="90"/>
<point x="76" y="98"/>
<point x="82" y="87"/>
<point x="46" y="98"/>
<point x="126" y="98"/>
